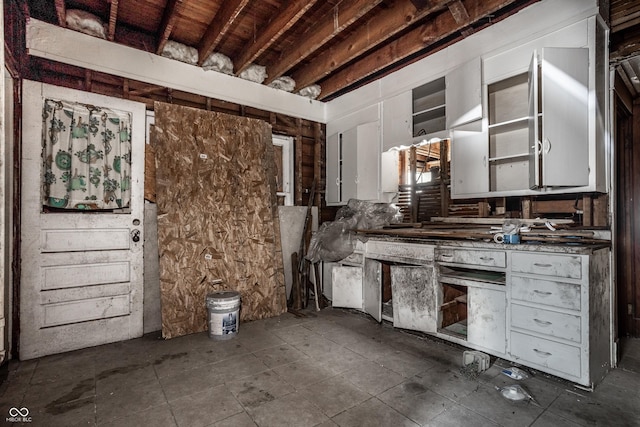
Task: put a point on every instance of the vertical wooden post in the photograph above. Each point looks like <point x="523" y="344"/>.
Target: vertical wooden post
<point x="414" y="198"/>
<point x="587" y="211"/>
<point x="444" y="177"/>
<point x="318" y="164"/>
<point x="298" y="163"/>
<point x="88" y="74"/>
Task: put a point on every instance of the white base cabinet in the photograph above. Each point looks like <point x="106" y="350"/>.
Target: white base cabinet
<point x="546" y="307"/>
<point x="559" y="314"/>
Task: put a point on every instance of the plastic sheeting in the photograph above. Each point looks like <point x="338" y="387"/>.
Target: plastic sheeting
<point x="254" y="73"/>
<point x="336" y="240"/>
<point x="312" y="91"/>
<point x="85" y="22"/>
<point x="180" y="52"/>
<point x="218" y="62"/>
<point x="285" y="83"/>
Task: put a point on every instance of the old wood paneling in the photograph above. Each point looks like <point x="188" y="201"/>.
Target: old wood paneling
<point x="217" y="216"/>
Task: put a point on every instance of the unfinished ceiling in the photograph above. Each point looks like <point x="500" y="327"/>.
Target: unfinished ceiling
<point x="336" y="44"/>
<point x="625" y="42"/>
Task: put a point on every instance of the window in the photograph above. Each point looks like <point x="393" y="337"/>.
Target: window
<point x="283" y="150"/>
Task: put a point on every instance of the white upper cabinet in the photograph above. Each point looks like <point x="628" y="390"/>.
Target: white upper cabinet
<point x="542" y="125"/>
<point x="396" y="121"/>
<point x="464" y="94"/>
<point x="565" y="116"/>
<point x="353" y="164"/>
<point x="469" y="172"/>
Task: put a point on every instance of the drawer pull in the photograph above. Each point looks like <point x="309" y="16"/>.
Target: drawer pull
<point x="542" y="353"/>
<point x="446" y="256"/>
<point x="486" y="258"/>
<point x="542" y="293"/>
<point x="542" y="322"/>
<point x="542" y="265"/>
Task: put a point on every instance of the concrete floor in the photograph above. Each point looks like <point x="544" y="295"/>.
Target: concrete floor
<point x="330" y="368"/>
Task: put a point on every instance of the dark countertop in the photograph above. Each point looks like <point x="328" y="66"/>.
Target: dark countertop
<point x="570" y="242"/>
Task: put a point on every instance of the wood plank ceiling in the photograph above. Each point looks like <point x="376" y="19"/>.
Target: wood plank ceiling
<point x="337" y="44"/>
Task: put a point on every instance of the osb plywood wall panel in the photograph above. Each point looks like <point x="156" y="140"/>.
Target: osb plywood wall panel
<point x="217" y="216"/>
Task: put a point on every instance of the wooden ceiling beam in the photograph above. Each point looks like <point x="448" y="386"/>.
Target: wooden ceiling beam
<point x="113" y="18"/>
<point x="433" y="31"/>
<point x="61" y="11"/>
<point x="169" y="18"/>
<point x="292" y="12"/>
<point x="460" y="14"/>
<point x="344" y="14"/>
<point x="222" y="23"/>
<point x="398" y="16"/>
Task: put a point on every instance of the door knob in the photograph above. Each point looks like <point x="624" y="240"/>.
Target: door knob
<point x="135" y="235"/>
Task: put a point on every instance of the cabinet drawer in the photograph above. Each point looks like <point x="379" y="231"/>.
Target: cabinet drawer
<point x="548" y="354"/>
<point x="405" y="251"/>
<point x="555" y="294"/>
<point x="464" y="256"/>
<point x="547" y="264"/>
<point x="547" y="322"/>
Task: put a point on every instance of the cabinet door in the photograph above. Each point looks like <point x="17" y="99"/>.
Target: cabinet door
<point x="565" y="116"/>
<point x="469" y="160"/>
<point x="396" y="121"/>
<point x="464" y="94"/>
<point x="349" y="164"/>
<point x="346" y="283"/>
<point x="368" y="161"/>
<point x="333" y="169"/>
<point x="372" y="288"/>
<point x="486" y="321"/>
<point x="534" y="124"/>
<point x="414" y="298"/>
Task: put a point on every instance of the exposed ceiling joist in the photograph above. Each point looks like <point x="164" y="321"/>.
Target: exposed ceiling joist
<point x="169" y="18"/>
<point x="61" y="12"/>
<point x="367" y="36"/>
<point x="276" y="28"/>
<point x="460" y="14"/>
<point x="113" y="16"/>
<point x="344" y="14"/>
<point x="219" y="27"/>
<point x="435" y="30"/>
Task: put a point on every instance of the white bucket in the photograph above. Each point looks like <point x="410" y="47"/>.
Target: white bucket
<point x="223" y="319"/>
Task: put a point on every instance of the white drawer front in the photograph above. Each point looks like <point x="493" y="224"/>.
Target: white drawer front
<point x="555" y="294"/>
<point x="546" y="322"/>
<point x="547" y="264"/>
<point x="463" y="256"/>
<point x="406" y="251"/>
<point x="547" y="354"/>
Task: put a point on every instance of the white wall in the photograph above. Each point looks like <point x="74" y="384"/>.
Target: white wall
<point x="53" y="42"/>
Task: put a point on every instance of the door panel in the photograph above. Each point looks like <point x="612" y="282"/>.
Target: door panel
<point x="565" y="116"/>
<point x="469" y="159"/>
<point x="81" y="278"/>
<point x="346" y="284"/>
<point x="414" y="298"/>
<point x="534" y="124"/>
<point x="372" y="288"/>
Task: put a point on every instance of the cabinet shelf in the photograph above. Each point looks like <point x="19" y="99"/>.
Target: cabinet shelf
<point x="520" y="156"/>
<point x="435" y="110"/>
<point x="518" y="122"/>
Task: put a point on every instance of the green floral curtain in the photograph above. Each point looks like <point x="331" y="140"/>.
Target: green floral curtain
<point x="87" y="156"/>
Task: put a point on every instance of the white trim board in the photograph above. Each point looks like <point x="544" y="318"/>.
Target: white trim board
<point x="52" y="42"/>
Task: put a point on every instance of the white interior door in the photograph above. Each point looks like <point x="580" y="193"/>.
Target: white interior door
<point x="82" y="273"/>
